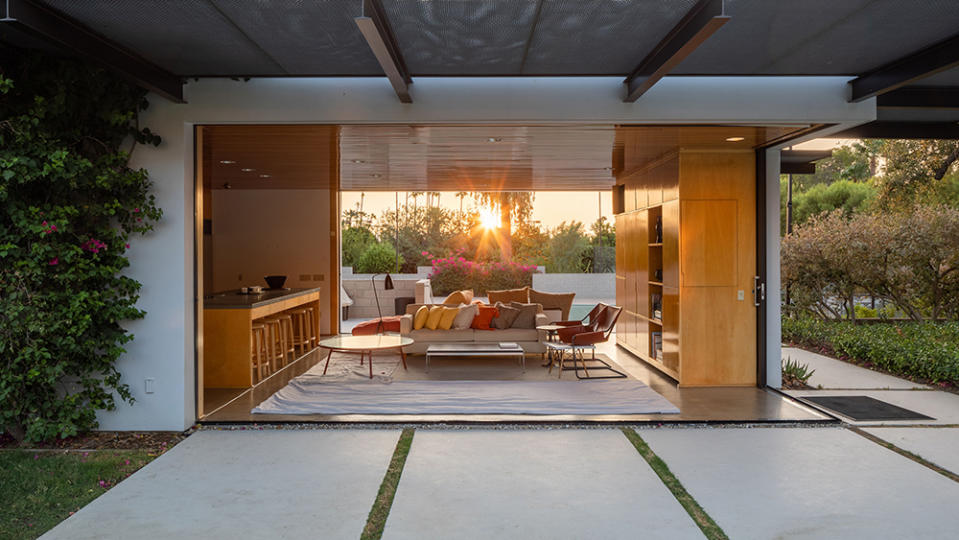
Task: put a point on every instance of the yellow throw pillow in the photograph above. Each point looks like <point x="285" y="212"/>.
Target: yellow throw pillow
<point x="446" y="319"/>
<point x="419" y="318"/>
<point x="433" y="319"/>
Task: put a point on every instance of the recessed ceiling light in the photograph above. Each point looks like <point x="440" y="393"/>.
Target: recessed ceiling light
<point x="493" y="139"/>
<point x="735" y="139"/>
<point x="227" y="161"/>
<point x="358" y="161"/>
<point x="247" y="170"/>
<point x="264" y="176"/>
<point x="375" y="175"/>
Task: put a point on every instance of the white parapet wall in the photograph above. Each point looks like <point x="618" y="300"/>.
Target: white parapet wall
<point x="588" y="287"/>
<point x="360" y="289"/>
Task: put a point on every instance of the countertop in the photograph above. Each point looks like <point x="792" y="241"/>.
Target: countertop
<point x="236" y="300"/>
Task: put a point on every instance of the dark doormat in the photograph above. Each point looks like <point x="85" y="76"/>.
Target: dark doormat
<point x="865" y="408"/>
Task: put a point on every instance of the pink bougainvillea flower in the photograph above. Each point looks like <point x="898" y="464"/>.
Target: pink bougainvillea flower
<point x="425" y="253"/>
<point x="127" y="246"/>
<point x="44" y="224"/>
<point x="136" y="210"/>
<point x="54" y="261"/>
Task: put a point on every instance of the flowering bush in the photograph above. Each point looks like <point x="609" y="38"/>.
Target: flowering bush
<point x="454" y="273"/>
<point x="69" y="204"/>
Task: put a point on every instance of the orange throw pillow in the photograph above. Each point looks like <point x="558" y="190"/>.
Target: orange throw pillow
<point x="483" y="319"/>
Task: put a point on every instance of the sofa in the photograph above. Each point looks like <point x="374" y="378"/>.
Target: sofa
<point x="531" y="340"/>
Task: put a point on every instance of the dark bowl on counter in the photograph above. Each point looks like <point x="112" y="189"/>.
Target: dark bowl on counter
<point x="275" y="282"/>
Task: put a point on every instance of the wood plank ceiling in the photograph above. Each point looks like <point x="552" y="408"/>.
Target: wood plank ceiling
<point x="450" y="157"/>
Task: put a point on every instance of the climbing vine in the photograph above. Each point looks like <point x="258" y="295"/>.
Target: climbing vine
<point x="70" y="205"/>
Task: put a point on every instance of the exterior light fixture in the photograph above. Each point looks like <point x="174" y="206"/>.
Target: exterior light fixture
<point x="247" y="170"/>
<point x="227" y="161"/>
<point x="735" y="139"/>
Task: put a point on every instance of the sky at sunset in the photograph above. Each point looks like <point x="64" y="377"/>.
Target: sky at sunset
<point x="550" y="208"/>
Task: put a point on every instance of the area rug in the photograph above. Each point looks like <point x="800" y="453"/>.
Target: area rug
<point x="865" y="408"/>
<point x="306" y="396"/>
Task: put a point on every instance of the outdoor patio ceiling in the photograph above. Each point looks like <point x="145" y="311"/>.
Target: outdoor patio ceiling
<point x="883" y="42"/>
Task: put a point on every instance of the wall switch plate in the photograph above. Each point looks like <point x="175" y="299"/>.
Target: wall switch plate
<point x="317" y="277"/>
<point x="740" y="295"/>
<point x="148" y="385"/>
<point x="304" y="277"/>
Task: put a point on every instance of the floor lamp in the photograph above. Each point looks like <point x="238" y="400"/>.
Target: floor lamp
<point x="387" y="286"/>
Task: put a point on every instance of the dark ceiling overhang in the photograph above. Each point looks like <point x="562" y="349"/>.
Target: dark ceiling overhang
<point x="909" y="69"/>
<point x="801" y="161"/>
<point x="901" y="130"/>
<point x="702" y="21"/>
<point x="28" y="17"/>
<point x="926" y="97"/>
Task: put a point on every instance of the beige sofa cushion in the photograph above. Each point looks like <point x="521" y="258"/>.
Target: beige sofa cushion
<point x="465" y="316"/>
<point x="510" y="334"/>
<point x="441" y="336"/>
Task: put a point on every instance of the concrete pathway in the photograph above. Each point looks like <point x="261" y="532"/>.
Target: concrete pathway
<point x="807" y="483"/>
<point x="532" y="484"/>
<point x="245" y="485"/>
<point x="832" y="373"/>
<point x="937" y="445"/>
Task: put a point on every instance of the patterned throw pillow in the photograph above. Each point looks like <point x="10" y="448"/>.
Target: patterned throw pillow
<point x="464" y="316"/>
<point x="446" y="318"/>
<point x="433" y="319"/>
<point x="419" y="319"/>
<point x="527" y="315"/>
<point x="506" y="316"/>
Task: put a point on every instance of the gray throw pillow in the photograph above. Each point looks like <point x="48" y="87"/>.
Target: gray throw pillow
<point x="506" y="316"/>
<point x="465" y="316"/>
<point x="527" y="315"/>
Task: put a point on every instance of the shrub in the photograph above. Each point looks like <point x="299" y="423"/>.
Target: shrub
<point x="924" y="350"/>
<point x="69" y="204"/>
<point x="378" y="258"/>
<point x="355" y="241"/>
<point x="455" y="273"/>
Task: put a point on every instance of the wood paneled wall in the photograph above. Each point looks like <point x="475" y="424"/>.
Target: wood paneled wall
<point x="705" y="202"/>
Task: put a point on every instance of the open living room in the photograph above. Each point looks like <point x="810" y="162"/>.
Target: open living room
<point x="481" y="273"/>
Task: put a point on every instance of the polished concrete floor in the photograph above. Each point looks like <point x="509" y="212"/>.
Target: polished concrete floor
<point x="695" y="404"/>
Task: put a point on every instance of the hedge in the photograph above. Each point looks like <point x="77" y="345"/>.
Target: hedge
<point x="921" y="350"/>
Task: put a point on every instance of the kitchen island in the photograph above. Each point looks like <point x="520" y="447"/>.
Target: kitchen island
<point x="227" y="327"/>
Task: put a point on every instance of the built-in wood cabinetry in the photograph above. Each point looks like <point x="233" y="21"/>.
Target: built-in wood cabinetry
<point x="685" y="260"/>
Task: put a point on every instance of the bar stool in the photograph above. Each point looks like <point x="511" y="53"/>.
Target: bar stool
<point x="285" y="336"/>
<point x="275" y="342"/>
<point x="257" y="350"/>
<point x="304" y="329"/>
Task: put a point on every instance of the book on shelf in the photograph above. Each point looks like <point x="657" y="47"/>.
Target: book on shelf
<point x="656" y="344"/>
<point x="658" y="315"/>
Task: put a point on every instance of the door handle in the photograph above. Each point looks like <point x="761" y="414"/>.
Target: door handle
<point x="759" y="291"/>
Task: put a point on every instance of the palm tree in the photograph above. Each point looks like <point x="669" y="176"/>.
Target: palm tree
<point x="513" y="206"/>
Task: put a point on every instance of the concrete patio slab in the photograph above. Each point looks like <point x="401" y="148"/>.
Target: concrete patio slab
<point x="832" y="373"/>
<point x="245" y="484"/>
<point x="943" y="406"/>
<point x="545" y="484"/>
<point x="807" y="483"/>
<point x="938" y="445"/>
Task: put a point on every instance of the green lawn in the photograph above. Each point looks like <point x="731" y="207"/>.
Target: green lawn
<point x="41" y="489"/>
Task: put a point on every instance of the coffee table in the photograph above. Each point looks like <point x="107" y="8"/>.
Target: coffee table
<point x="365" y="345"/>
<point x="492" y="349"/>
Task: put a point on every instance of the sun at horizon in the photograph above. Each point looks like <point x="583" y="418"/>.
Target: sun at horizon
<point x="488" y="219"/>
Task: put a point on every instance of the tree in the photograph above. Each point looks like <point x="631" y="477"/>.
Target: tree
<point x="353" y="242"/>
<point x="844" y="195"/>
<point x="514" y="206"/>
<point x="601" y="256"/>
<point x="857" y="163"/>
<point x="566" y="248"/>
<point x="914" y="168"/>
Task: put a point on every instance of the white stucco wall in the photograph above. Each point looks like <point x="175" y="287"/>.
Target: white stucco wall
<point x="163" y="261"/>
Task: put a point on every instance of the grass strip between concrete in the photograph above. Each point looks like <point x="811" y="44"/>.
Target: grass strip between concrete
<point x="376" y="521"/>
<point x="905" y="453"/>
<point x="695" y="511"/>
